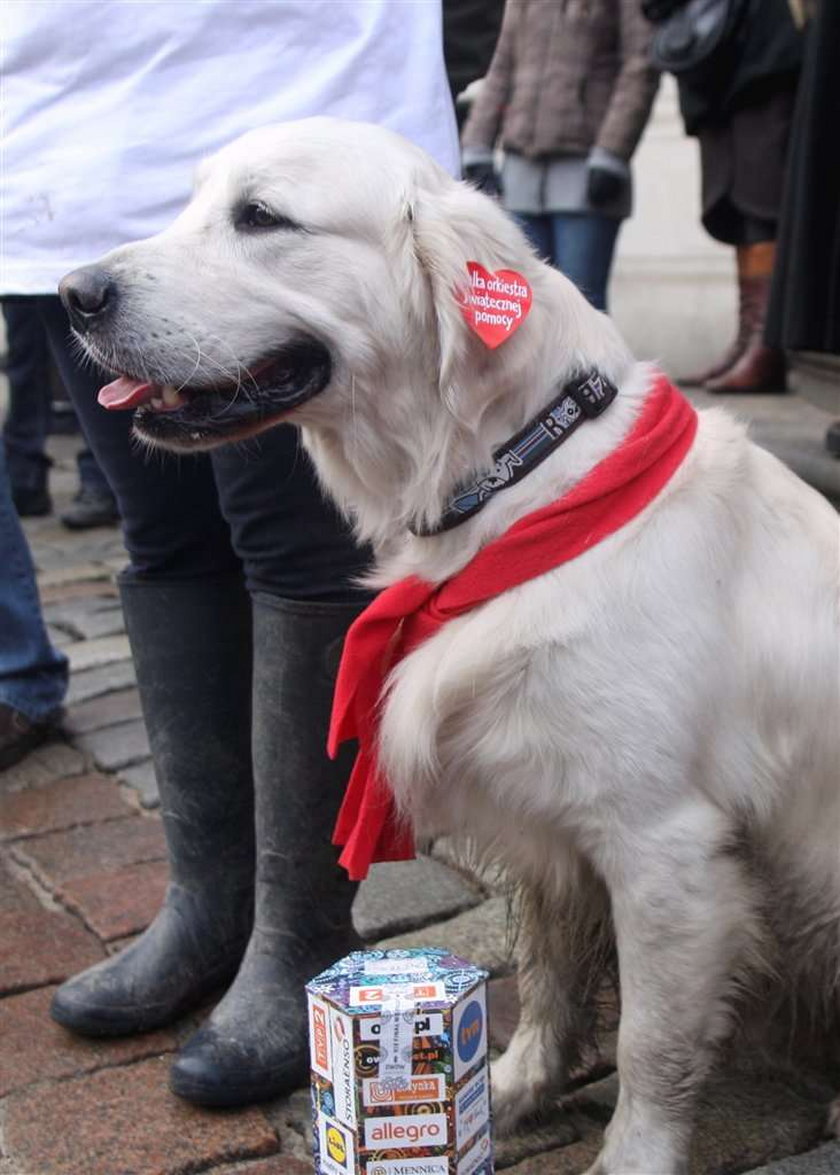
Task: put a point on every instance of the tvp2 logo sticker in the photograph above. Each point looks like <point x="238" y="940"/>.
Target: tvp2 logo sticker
<point x="319" y="1038"/>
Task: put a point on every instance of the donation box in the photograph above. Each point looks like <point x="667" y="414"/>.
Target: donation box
<point x="400" y="1077"/>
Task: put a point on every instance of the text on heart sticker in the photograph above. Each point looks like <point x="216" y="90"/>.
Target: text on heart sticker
<point x="494" y="305"/>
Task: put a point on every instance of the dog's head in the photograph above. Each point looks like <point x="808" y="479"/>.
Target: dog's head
<point x="316" y="260"/>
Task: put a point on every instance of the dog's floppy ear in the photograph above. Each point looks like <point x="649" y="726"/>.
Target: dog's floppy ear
<point x="451" y="227"/>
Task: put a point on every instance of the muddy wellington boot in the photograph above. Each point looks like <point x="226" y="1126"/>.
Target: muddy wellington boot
<point x="255" y="1044"/>
<point x="191" y="642"/>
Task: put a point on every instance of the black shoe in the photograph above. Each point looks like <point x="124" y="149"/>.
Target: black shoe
<point x="19" y="735"/>
<point x="832" y="439"/>
<point x="91" y="507"/>
<point x="31" y="501"/>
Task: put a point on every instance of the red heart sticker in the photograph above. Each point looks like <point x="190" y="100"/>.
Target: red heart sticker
<point x="494" y="305"/>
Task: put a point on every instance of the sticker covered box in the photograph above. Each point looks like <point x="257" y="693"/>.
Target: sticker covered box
<point x="400" y="1079"/>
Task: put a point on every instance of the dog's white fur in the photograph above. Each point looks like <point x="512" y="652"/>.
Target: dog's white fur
<point x="646" y="737"/>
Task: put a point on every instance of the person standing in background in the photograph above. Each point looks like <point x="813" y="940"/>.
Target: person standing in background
<point x="740" y="108"/>
<point x="470" y="31"/>
<point x="243" y="579"/>
<point x="33" y="675"/>
<point x="567" y="96"/>
<point x="27" y="425"/>
<point x="804" y="313"/>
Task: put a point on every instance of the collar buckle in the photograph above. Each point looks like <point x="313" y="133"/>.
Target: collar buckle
<point x="593" y="394"/>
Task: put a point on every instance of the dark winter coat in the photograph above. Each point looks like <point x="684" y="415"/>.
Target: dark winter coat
<point x="470" y="32"/>
<point x="764" y="53"/>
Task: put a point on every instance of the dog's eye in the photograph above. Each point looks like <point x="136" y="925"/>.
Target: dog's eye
<point x="256" y="215"/>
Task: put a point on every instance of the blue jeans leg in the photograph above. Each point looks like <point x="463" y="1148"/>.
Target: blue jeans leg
<point x="584" y="245"/>
<point x="33" y="675"/>
<point x="539" y="231"/>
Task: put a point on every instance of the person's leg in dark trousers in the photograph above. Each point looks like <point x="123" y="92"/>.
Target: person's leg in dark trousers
<point x="27" y="421"/>
<point x="300" y="564"/>
<point x="584" y="246"/>
<point x="188" y="618"/>
<point x="94" y="504"/>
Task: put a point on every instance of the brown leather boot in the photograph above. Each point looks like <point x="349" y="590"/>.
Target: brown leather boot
<point x="758" y="368"/>
<point x="735" y="349"/>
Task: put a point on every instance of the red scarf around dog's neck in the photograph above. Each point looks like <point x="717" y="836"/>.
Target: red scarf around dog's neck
<point x="410" y="611"/>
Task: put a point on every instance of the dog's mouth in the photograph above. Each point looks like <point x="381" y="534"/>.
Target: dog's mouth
<point x="197" y="416"/>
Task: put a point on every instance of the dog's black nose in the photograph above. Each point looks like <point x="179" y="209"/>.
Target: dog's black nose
<point x="87" y="294"/>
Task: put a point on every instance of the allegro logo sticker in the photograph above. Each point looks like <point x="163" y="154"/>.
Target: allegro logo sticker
<point x="405" y="1130"/>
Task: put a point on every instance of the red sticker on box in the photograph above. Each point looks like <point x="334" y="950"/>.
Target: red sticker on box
<point x="494" y="305"/>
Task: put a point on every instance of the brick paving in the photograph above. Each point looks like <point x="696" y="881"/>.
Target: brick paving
<point x="82" y="869"/>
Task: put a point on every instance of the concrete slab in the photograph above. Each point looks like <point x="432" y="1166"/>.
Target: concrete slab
<point x="400" y="895"/>
<point x="825" y="1160"/>
<point x="791" y="428"/>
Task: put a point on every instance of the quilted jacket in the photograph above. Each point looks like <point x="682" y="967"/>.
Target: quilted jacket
<point x="567" y="76"/>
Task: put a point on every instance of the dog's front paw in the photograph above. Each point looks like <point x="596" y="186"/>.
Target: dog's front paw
<point x="832" y="1124"/>
<point x="514" y="1097"/>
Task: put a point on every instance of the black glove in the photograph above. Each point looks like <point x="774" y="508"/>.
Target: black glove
<point x="659" y="10"/>
<point x="484" y="177"/>
<point x="603" y="185"/>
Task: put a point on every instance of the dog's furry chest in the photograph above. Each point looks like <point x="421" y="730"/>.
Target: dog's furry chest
<point x="508" y="714"/>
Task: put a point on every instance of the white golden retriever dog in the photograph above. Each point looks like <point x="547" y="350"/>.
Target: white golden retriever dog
<point x="646" y="736"/>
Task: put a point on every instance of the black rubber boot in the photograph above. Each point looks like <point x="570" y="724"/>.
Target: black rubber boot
<point x="191" y="641"/>
<point x="255" y="1044"/>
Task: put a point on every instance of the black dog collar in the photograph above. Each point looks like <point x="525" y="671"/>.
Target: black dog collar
<point x="582" y="398"/>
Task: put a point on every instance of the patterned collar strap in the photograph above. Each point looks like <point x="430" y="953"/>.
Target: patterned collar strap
<point x="582" y="398"/>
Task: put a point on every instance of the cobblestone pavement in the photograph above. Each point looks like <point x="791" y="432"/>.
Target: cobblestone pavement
<point x="82" y="870"/>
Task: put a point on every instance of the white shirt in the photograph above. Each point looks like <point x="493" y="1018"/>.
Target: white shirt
<point x="110" y="105"/>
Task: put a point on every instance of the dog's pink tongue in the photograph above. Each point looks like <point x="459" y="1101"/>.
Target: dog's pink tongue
<point x="127" y="393"/>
